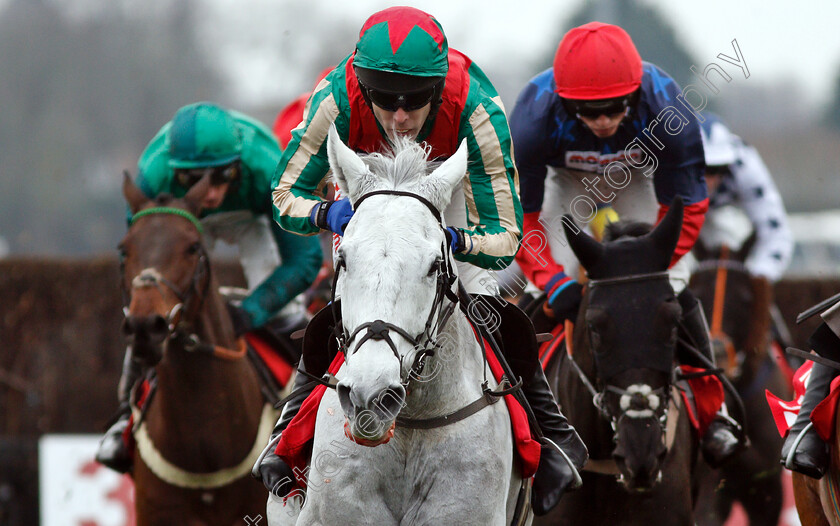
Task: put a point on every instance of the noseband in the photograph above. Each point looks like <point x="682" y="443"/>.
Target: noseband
<point x="635" y="401"/>
<point x="426" y="341"/>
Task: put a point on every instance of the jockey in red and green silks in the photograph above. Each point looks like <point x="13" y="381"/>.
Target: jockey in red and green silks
<point x="403" y="79"/>
<point x="239" y="156"/>
<point x="463" y="104"/>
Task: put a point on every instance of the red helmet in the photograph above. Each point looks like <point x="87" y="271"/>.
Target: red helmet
<point x="597" y="61"/>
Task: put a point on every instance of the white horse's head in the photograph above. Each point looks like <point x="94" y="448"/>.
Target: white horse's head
<point x="392" y="257"/>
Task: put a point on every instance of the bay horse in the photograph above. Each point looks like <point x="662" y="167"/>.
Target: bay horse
<point x="737" y="305"/>
<point x="411" y="358"/>
<point x="203" y="425"/>
<point x="616" y="383"/>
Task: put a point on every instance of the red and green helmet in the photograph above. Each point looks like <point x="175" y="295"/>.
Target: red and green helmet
<point x="401" y="49"/>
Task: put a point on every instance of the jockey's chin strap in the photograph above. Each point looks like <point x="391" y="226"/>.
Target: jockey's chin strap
<point x="426" y="341"/>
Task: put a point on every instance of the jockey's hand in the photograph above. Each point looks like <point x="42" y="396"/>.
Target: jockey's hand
<point x="456" y="239"/>
<point x="242" y="322"/>
<point x="277" y="477"/>
<point x="332" y="215"/>
<point x="564" y="297"/>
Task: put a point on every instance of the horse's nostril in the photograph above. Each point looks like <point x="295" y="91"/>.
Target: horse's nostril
<point x="390" y="402"/>
<point x="159" y="325"/>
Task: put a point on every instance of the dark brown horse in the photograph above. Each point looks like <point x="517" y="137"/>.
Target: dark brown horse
<point x="616" y="386"/>
<point x="737" y="305"/>
<point x="200" y="431"/>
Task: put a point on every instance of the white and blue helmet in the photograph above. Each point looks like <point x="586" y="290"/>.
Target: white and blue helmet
<point x="718" y="141"/>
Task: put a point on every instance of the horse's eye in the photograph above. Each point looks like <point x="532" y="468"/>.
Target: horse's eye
<point x="435" y="268"/>
<point x="121" y="251"/>
<point x="194" y="249"/>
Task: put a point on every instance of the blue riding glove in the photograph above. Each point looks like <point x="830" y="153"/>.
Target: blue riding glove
<point x="564" y="296"/>
<point x="455" y="238"/>
<point x="332" y="215"/>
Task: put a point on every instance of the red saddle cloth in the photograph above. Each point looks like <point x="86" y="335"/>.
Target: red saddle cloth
<point x="823" y="415"/>
<point x="277" y="366"/>
<point x="295" y="445"/>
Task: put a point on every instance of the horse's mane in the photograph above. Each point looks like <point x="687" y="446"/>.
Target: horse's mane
<point x="401" y="165"/>
<point x="620" y="229"/>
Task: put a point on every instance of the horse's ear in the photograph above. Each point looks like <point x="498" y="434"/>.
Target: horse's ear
<point x="133" y="195"/>
<point x="587" y="250"/>
<point x="349" y="171"/>
<point x="667" y="233"/>
<point x="195" y="195"/>
<point x="439" y="184"/>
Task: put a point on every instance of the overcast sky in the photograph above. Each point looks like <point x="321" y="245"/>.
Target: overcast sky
<point x="779" y="40"/>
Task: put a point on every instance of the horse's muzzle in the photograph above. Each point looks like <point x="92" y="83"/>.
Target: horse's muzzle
<point x="639" y="453"/>
<point x="370" y="417"/>
<point x="147" y="335"/>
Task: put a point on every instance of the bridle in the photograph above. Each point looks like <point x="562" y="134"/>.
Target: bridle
<point x="426" y="341"/>
<point x="189" y="300"/>
<point x="634" y="402"/>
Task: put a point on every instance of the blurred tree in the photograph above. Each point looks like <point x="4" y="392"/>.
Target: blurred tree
<point x="82" y="96"/>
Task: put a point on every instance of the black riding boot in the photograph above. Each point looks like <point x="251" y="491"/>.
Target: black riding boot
<point x="521" y="350"/>
<point x="112" y="451"/>
<point x="318" y="347"/>
<point x="276" y="475"/>
<point x="811" y="455"/>
<point x="554" y="475"/>
<point x="725" y="437"/>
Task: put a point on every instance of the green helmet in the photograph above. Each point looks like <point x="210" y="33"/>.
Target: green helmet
<point x="403" y="40"/>
<point x="203" y="135"/>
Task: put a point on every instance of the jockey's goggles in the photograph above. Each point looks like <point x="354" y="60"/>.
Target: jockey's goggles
<point x="219" y="175"/>
<point x="394" y="101"/>
<point x="593" y="109"/>
<point x="719" y="169"/>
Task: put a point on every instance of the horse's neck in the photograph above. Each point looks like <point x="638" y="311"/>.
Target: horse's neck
<point x="213" y="324"/>
<point x="453" y="377"/>
<point x="207" y="377"/>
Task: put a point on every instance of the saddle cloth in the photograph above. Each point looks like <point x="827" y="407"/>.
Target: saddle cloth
<point x="823" y="415"/>
<point x="295" y="445"/>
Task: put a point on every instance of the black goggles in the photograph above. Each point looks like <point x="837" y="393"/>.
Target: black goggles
<point x="219" y="175"/>
<point x="722" y="169"/>
<point x="595" y="108"/>
<point x="407" y="101"/>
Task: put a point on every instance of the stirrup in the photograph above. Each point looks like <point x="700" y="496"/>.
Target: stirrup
<point x="255" y="470"/>
<point x="578" y="480"/>
<point x="795" y="446"/>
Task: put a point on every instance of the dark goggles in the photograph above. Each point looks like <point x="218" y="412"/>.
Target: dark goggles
<point x="219" y="175"/>
<point x="593" y="109"/>
<point x="407" y="101"/>
<point x="722" y="169"/>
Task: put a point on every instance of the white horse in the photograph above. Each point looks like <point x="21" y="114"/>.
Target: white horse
<point x="393" y="261"/>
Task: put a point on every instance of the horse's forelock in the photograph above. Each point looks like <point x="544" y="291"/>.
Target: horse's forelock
<point x="164" y="199"/>
<point x="403" y="165"/>
<point x="625" y="229"/>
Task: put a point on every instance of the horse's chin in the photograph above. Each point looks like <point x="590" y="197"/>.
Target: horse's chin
<point x="353" y="432"/>
<point x="637" y="485"/>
